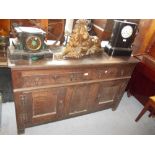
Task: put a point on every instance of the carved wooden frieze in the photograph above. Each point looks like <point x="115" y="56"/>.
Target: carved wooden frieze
<point x="54" y="78"/>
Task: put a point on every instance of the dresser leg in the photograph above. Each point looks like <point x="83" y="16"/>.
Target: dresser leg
<point x="114" y="108"/>
<point x="128" y="93"/>
<point x="151" y="113"/>
<point x="21" y="131"/>
<point x="116" y="104"/>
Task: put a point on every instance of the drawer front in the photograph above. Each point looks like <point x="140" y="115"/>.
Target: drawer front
<point x="32" y="78"/>
<point x="114" y="71"/>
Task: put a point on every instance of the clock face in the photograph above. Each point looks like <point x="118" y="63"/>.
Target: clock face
<point x="33" y="43"/>
<point x="127" y="31"/>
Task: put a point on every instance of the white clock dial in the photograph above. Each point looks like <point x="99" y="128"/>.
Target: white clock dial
<point x="127" y="31"/>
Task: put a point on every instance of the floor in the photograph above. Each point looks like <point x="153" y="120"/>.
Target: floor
<point x="106" y="122"/>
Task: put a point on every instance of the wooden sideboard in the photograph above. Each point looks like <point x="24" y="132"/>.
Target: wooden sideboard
<point x="49" y="90"/>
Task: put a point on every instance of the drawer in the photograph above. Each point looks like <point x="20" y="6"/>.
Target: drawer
<point x="32" y="78"/>
<point x="116" y="71"/>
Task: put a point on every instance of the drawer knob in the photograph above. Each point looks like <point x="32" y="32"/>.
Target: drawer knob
<point x="86" y="74"/>
<point x="106" y="72"/>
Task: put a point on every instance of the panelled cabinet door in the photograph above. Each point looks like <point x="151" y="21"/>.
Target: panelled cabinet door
<point x="77" y="99"/>
<point x="46" y="104"/>
<point x="108" y="92"/>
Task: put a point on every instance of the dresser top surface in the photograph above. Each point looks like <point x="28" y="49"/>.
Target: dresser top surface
<point x="92" y="60"/>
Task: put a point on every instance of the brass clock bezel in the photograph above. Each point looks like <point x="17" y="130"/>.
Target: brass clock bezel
<point x="27" y="43"/>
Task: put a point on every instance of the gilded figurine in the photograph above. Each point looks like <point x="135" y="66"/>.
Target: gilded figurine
<point x="81" y="43"/>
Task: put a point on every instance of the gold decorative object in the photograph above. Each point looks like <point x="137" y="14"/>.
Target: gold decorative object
<point x="81" y="43"/>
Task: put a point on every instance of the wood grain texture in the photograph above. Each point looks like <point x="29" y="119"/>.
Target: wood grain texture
<point x="4" y="27"/>
<point x="151" y="48"/>
<point x="144" y="36"/>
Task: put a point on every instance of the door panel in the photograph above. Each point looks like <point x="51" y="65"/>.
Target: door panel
<point x="44" y="103"/>
<point x="78" y="101"/>
<point x="47" y="104"/>
<point x="108" y="93"/>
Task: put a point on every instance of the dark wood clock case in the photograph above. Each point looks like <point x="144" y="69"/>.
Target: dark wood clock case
<point x="119" y="45"/>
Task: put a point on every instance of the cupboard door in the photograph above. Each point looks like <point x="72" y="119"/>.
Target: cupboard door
<point x="77" y="99"/>
<point x="108" y="93"/>
<point x="46" y="104"/>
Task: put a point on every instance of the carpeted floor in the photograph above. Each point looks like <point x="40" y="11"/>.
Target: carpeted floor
<point x="106" y="122"/>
